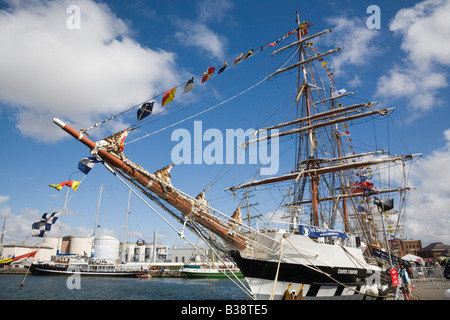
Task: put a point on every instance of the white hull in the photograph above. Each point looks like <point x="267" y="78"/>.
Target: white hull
<point x="333" y="270"/>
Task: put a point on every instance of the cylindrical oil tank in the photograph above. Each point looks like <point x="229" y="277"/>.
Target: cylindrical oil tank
<point x="53" y="242"/>
<point x="106" y="247"/>
<point x="130" y="253"/>
<point x="80" y="246"/>
<point x="141" y="253"/>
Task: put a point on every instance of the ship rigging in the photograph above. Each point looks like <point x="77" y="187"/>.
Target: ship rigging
<point x="329" y="181"/>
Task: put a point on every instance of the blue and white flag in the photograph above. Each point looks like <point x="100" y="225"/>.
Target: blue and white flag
<point x="316" y="232"/>
<point x="145" y="110"/>
<point x="86" y="164"/>
<point x="338" y="93"/>
<point x="42" y="227"/>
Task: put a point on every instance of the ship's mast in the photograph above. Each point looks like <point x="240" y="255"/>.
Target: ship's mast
<point x="304" y="88"/>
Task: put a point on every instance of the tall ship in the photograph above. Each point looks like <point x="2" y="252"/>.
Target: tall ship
<point x="340" y="207"/>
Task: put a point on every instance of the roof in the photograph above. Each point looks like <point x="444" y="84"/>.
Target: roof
<point x="435" y="246"/>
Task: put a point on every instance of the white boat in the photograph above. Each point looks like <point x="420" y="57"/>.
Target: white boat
<point x="83" y="267"/>
<point x="211" y="271"/>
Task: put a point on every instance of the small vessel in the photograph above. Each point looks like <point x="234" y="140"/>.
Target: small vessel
<point x="143" y="276"/>
<point x="84" y="267"/>
<point x="211" y="272"/>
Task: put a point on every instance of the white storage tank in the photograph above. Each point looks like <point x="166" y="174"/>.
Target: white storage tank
<point x="130" y="253"/>
<point x="141" y="253"/>
<point x="53" y="242"/>
<point x="80" y="246"/>
<point x="106" y="247"/>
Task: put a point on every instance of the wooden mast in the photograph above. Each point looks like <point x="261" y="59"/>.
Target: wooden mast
<point x="311" y="139"/>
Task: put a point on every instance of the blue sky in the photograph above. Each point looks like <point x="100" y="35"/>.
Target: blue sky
<point x="125" y="52"/>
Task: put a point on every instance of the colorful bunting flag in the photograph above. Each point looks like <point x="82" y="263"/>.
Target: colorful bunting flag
<point x="71" y="184"/>
<point x="145" y="110"/>
<point x="122" y="140"/>
<point x="168" y="96"/>
<point x="222" y="69"/>
<point x="189" y="85"/>
<point x="238" y="59"/>
<point x="42" y="227"/>
<point x="207" y="75"/>
<point x="86" y="164"/>
<point x="248" y="54"/>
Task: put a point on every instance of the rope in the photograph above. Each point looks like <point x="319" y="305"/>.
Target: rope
<point x="181" y="234"/>
<point x="262" y="48"/>
<point x="201" y="112"/>
<point x="243" y="288"/>
<point x="278" y="270"/>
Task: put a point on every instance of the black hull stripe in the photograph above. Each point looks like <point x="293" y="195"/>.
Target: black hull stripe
<point x="297" y="273"/>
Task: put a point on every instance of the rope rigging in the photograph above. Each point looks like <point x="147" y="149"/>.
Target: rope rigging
<point x="209" y="74"/>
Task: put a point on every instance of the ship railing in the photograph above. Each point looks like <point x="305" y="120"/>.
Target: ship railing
<point x="290" y="227"/>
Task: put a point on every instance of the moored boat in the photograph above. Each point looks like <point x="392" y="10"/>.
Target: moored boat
<point x="85" y="267"/>
<point x="210" y="272"/>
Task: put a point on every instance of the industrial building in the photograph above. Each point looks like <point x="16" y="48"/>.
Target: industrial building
<point x="104" y="248"/>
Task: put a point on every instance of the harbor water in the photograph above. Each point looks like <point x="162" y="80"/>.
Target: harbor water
<point x="116" y="288"/>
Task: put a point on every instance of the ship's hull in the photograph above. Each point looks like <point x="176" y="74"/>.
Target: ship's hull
<point x="260" y="275"/>
<point x="324" y="271"/>
<point x="51" y="270"/>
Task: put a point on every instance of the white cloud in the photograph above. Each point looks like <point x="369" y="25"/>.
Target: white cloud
<point x="198" y="34"/>
<point x="4" y="198"/>
<point x="358" y="42"/>
<point x="214" y="10"/>
<point x="48" y="70"/>
<point x="424" y="30"/>
<point x="428" y="211"/>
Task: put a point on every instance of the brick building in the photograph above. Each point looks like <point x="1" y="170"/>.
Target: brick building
<point x="403" y="247"/>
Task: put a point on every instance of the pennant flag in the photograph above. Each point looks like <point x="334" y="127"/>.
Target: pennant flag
<point x="207" y="75"/>
<point x="248" y="54"/>
<point x="145" y="110"/>
<point x="223" y="67"/>
<point x="71" y="184"/>
<point x="42" y="227"/>
<point x="86" y="164"/>
<point x="324" y="63"/>
<point x="273" y="44"/>
<point x="238" y="59"/>
<point x="189" y="85"/>
<point x="168" y="96"/>
<point x="9" y="260"/>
